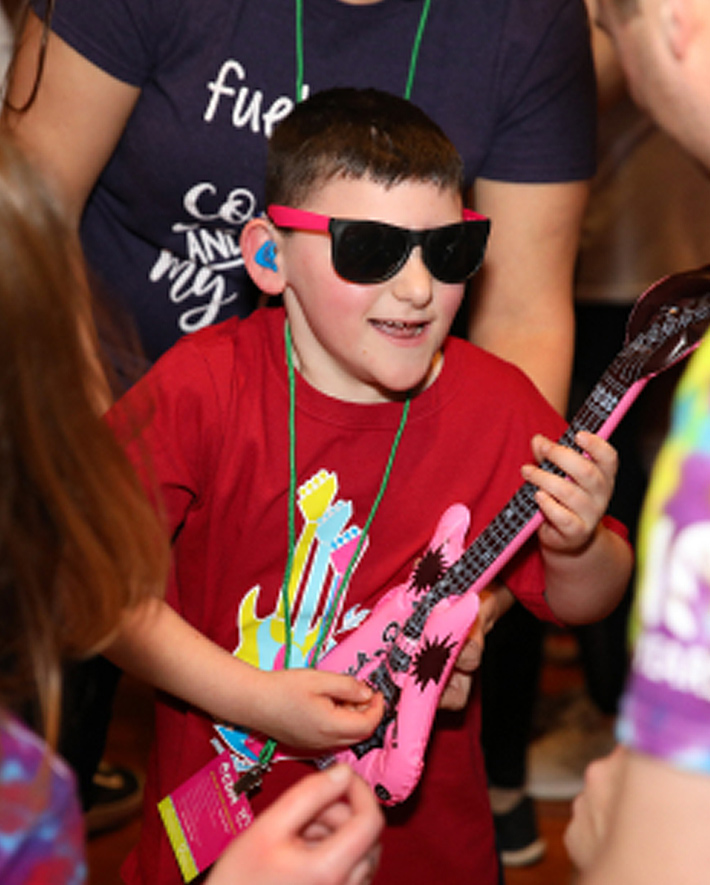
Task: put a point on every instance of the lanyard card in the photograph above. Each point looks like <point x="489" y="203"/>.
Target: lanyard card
<point x="204" y="814"/>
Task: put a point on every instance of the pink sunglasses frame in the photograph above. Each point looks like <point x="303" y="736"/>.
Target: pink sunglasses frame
<point x="301" y="219"/>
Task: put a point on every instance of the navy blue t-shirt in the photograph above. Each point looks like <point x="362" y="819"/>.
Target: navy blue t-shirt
<point x="510" y="81"/>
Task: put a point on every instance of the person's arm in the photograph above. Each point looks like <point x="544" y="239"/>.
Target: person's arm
<point x="656" y="830"/>
<point x="324" y="830"/>
<point x="301" y="707"/>
<point x="587" y="565"/>
<point x="523" y="308"/>
<point x="73" y="125"/>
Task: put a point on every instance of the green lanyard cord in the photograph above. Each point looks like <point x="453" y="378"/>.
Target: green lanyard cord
<point x="330" y="614"/>
<point x="415" y="49"/>
<point x="291" y="497"/>
<point x="269" y="747"/>
<point x="299" y="50"/>
<point x="414" y="58"/>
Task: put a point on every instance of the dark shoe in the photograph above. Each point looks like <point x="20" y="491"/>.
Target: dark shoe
<point x="517" y="838"/>
<point x="117" y="797"/>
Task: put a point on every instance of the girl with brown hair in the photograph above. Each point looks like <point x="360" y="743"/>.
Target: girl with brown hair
<point x="80" y="545"/>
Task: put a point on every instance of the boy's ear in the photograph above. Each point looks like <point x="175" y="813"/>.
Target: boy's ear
<point x="260" y="252"/>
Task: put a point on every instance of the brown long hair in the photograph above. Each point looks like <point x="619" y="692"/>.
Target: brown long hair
<point x="79" y="542"/>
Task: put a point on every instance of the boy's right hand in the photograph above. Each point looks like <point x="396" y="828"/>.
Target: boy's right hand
<point x="317" y="710"/>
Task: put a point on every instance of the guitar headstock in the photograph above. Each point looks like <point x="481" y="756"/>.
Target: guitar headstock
<point x="669" y="319"/>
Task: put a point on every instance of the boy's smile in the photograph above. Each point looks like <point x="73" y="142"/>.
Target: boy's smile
<point x="375" y="342"/>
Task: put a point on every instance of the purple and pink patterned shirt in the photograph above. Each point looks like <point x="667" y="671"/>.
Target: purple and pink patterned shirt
<point x="666" y="708"/>
<point x="41" y="826"/>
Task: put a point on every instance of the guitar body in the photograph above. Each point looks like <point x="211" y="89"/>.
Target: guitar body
<point x="409" y="667"/>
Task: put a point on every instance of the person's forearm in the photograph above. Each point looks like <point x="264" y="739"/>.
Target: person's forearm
<point x="158" y="646"/>
<point x="543" y="351"/>
<point x="71" y="127"/>
<point x="586" y="586"/>
<point x="523" y="304"/>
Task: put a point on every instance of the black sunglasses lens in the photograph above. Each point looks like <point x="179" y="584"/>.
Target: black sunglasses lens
<point x="367" y="251"/>
<point x="454" y="253"/>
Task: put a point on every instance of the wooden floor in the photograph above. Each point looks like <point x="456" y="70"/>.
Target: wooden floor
<point x="129" y="742"/>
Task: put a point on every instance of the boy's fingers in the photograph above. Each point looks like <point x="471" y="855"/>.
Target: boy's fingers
<point x="356" y="709"/>
<point x="556" y="487"/>
<point x="469" y="656"/>
<point x="585" y="475"/>
<point x="601" y="455"/>
<point x="346" y="689"/>
<point x="542" y="447"/>
<point x="599" y="450"/>
<point x="359" y="720"/>
<point x="357" y="697"/>
<point x="557" y="515"/>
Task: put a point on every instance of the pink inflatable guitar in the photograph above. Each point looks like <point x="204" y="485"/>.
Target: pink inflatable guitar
<point x="409" y="643"/>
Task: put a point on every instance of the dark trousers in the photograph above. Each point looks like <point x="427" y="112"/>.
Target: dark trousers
<point x="88" y="693"/>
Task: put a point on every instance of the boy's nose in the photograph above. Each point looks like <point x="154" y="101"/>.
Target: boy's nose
<point x="413" y="282"/>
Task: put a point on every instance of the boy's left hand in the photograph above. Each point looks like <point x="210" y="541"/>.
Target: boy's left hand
<point x="573" y="504"/>
<point x="496" y="599"/>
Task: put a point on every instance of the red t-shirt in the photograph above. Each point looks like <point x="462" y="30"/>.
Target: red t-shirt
<point x="216" y="429"/>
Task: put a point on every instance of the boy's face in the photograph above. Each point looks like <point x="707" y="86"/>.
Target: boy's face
<point x="368" y="343"/>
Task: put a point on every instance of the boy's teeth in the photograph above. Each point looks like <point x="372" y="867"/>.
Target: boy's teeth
<point x="398" y="327"/>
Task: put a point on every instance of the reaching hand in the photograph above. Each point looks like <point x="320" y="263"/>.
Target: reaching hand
<point x="317" y="710"/>
<point x="572" y="504"/>
<point x="323" y="831"/>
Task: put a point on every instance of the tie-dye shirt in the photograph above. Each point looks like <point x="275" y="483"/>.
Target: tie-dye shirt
<point x="41" y="828"/>
<point x="666" y="708"/>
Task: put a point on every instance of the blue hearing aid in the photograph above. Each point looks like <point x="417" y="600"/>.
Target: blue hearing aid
<point x="266" y="255"/>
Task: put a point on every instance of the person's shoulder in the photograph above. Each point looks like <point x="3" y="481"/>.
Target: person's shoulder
<point x="228" y="351"/>
<point x="235" y="334"/>
<point x="489" y="383"/>
<point x="474" y="363"/>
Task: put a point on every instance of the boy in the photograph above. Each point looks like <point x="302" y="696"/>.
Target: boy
<point x="352" y="387"/>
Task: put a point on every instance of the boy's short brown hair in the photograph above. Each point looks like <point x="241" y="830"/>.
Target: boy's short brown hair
<point x="357" y="133"/>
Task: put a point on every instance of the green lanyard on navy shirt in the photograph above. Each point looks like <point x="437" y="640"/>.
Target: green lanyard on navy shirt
<point x="414" y="57"/>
